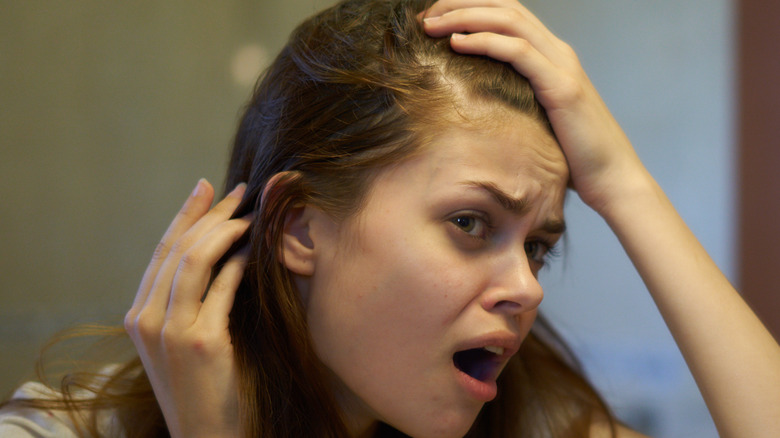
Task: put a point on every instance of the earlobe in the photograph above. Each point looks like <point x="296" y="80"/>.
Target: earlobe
<point x="297" y="245"/>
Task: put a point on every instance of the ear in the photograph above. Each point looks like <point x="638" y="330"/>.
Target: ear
<point x="297" y="250"/>
<point x="297" y="246"/>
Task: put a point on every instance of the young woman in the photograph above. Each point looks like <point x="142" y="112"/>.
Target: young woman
<point x="396" y="183"/>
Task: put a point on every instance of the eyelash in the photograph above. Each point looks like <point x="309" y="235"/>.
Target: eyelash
<point x="486" y="226"/>
<point x="550" y="250"/>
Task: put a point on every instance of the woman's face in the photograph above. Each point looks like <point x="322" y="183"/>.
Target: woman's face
<point x="417" y="302"/>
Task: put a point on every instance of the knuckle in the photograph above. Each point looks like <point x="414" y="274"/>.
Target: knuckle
<point x="200" y="345"/>
<point x="181" y="246"/>
<point x="170" y="336"/>
<point x="569" y="51"/>
<point x="145" y="329"/>
<point x="162" y="249"/>
<point x="196" y="342"/>
<point x="522" y="47"/>
<point x="219" y="286"/>
<point x="130" y="322"/>
<point x="190" y="260"/>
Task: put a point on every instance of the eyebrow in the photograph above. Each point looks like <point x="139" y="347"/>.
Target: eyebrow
<point x="517" y="206"/>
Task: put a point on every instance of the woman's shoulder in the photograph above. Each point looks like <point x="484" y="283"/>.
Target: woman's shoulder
<point x="20" y="421"/>
<point x="23" y="422"/>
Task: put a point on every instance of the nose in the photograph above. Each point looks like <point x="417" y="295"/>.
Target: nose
<point x="514" y="289"/>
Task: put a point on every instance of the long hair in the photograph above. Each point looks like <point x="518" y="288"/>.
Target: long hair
<point x="358" y="87"/>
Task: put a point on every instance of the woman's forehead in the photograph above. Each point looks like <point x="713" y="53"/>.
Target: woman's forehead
<point x="504" y="143"/>
<point x="515" y="155"/>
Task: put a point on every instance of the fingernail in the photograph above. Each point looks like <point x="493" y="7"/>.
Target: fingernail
<point x="458" y="36"/>
<point x="431" y="19"/>
<point x="199" y="188"/>
<point x="239" y="190"/>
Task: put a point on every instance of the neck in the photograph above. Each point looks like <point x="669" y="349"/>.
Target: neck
<point x="366" y="432"/>
<point x="359" y="425"/>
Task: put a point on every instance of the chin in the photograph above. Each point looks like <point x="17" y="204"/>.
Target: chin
<point x="451" y="425"/>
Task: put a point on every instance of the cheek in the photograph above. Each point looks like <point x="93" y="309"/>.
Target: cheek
<point x="389" y="298"/>
<point x="419" y="281"/>
<point x="391" y="289"/>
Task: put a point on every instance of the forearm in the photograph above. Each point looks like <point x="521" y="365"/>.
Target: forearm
<point x="732" y="356"/>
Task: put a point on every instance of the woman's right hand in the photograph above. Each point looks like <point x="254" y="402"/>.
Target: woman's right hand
<point x="182" y="338"/>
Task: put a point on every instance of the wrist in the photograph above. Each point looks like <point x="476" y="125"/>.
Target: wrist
<point x="626" y="195"/>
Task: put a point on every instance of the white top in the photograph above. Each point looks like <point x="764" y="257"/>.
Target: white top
<point x="19" y="422"/>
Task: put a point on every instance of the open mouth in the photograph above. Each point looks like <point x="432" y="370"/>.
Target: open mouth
<point x="479" y="363"/>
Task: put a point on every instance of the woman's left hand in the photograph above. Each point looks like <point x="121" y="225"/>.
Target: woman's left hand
<point x="602" y="161"/>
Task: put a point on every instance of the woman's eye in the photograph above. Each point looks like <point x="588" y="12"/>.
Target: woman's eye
<point x="473" y="226"/>
<point x="536" y="251"/>
<point x="539" y="251"/>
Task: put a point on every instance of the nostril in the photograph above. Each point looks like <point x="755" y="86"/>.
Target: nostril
<point x="508" y="305"/>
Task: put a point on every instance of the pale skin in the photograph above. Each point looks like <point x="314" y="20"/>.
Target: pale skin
<point x="733" y="358"/>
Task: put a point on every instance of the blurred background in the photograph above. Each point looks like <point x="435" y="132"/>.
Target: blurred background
<point x="111" y="111"/>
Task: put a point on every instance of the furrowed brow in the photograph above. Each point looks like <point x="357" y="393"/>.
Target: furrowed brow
<point x="518" y="206"/>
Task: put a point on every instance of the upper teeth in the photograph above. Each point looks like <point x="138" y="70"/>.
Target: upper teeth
<point x="495" y="350"/>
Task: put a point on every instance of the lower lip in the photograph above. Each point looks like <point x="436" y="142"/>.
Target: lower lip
<point x="477" y="389"/>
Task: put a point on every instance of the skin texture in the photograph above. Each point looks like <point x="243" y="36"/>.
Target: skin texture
<point x="185" y="347"/>
<point x="432" y="264"/>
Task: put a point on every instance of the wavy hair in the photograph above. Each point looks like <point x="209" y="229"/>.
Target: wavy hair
<point x="358" y="87"/>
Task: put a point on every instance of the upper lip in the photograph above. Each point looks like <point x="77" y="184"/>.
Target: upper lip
<point x="509" y="341"/>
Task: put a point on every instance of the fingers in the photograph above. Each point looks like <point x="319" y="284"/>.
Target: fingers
<point x="506" y="31"/>
<point x="442" y="7"/>
<point x="194" y="272"/>
<point x="509" y="21"/>
<point x="196" y="239"/>
<point x="554" y="86"/>
<point x="216" y="307"/>
<point x="158" y="298"/>
<point x="196" y="205"/>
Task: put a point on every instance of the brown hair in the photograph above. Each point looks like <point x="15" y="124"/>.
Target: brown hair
<point x="355" y="90"/>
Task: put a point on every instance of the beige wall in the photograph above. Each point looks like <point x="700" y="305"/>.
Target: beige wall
<point x="109" y="114"/>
